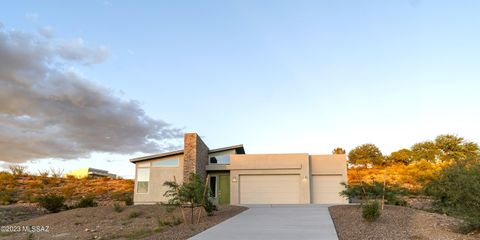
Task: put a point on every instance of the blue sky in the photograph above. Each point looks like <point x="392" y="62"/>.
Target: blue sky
<point x="279" y="76"/>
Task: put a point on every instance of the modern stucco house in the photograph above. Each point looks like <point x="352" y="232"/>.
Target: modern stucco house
<point x="239" y="178"/>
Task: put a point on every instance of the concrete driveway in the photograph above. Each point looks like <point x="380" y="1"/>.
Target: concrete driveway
<point x="275" y="222"/>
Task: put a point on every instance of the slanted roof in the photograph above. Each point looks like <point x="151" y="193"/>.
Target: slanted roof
<point x="238" y="150"/>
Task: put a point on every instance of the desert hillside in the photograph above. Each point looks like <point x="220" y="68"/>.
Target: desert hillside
<point x="26" y="188"/>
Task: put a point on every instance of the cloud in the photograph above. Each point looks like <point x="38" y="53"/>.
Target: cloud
<point x="75" y="50"/>
<point x="31" y="17"/>
<point x="47" y="111"/>
<point x="46" y="31"/>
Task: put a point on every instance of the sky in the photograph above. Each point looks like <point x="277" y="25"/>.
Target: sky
<point x="95" y="83"/>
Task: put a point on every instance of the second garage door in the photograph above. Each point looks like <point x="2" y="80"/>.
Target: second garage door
<point x="326" y="189"/>
<point x="269" y="189"/>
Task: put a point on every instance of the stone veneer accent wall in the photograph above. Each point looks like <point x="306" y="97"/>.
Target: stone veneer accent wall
<point x="195" y="156"/>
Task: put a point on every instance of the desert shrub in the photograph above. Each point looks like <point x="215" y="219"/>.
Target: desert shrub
<point x="371" y="191"/>
<point x="209" y="207"/>
<point x="18" y="170"/>
<point x="86" y="202"/>
<point x="53" y="203"/>
<point x="43" y="173"/>
<point x="5" y="198"/>
<point x="134" y="214"/>
<point x="117" y="207"/>
<point x="457" y="192"/>
<point x="174" y="222"/>
<point x="56" y="173"/>
<point x="371" y="210"/>
<point x="128" y="200"/>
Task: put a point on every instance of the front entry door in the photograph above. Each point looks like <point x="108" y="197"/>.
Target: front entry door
<point x="224" y="189"/>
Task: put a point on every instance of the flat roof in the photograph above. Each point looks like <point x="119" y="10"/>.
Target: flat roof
<point x="238" y="149"/>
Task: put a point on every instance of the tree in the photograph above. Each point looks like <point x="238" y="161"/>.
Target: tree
<point x="401" y="156"/>
<point x="452" y="147"/>
<point x="456" y="193"/>
<point x="338" y="150"/>
<point x="425" y="151"/>
<point x="366" y="154"/>
<point x="191" y="193"/>
<point x="445" y="147"/>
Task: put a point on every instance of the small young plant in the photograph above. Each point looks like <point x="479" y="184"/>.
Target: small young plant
<point x="209" y="207"/>
<point x="87" y="202"/>
<point x="134" y="214"/>
<point x="128" y="200"/>
<point x="117" y="207"/>
<point x="371" y="210"/>
<point x="167" y="223"/>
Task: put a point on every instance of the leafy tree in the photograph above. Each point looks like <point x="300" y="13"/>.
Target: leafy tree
<point x="455" y="148"/>
<point x="456" y="192"/>
<point x="190" y="193"/>
<point x="401" y="156"/>
<point x="366" y="154"/>
<point x="425" y="151"/>
<point x="445" y="147"/>
<point x="338" y="150"/>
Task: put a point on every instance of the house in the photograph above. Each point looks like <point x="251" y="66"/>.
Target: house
<point x="238" y="178"/>
<point x="90" y="173"/>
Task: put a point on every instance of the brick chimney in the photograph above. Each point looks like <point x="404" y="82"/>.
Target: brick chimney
<point x="195" y="156"/>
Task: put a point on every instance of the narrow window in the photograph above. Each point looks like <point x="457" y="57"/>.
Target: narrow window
<point x="213" y="186"/>
<point x="143" y="178"/>
<point x="166" y="163"/>
<point x="220" y="159"/>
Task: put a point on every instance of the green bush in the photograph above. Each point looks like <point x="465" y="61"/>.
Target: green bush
<point x="209" y="207"/>
<point x="86" y="202"/>
<point x="128" y="200"/>
<point x="117" y="207"/>
<point x="53" y="203"/>
<point x="134" y="214"/>
<point x="174" y="222"/>
<point x="371" y="191"/>
<point x="371" y="211"/>
<point x="457" y="192"/>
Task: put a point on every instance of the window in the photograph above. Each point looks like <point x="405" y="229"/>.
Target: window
<point x="220" y="159"/>
<point x="166" y="163"/>
<point x="213" y="186"/>
<point x="143" y="177"/>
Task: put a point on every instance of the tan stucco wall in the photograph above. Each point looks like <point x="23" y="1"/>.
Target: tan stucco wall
<point x="257" y="164"/>
<point x="325" y="165"/>
<point x="158" y="175"/>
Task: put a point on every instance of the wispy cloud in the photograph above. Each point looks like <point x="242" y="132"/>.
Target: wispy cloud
<point x="31" y="17"/>
<point x="46" y="31"/>
<point x="47" y="111"/>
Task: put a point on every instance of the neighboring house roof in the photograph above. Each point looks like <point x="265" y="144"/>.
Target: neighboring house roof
<point x="238" y="150"/>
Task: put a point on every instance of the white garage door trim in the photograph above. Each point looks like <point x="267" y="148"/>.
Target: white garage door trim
<point x="269" y="189"/>
<point x="326" y="188"/>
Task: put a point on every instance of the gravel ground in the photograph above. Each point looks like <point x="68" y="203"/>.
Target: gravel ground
<point x="19" y="212"/>
<point x="395" y="222"/>
<point x="133" y="222"/>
